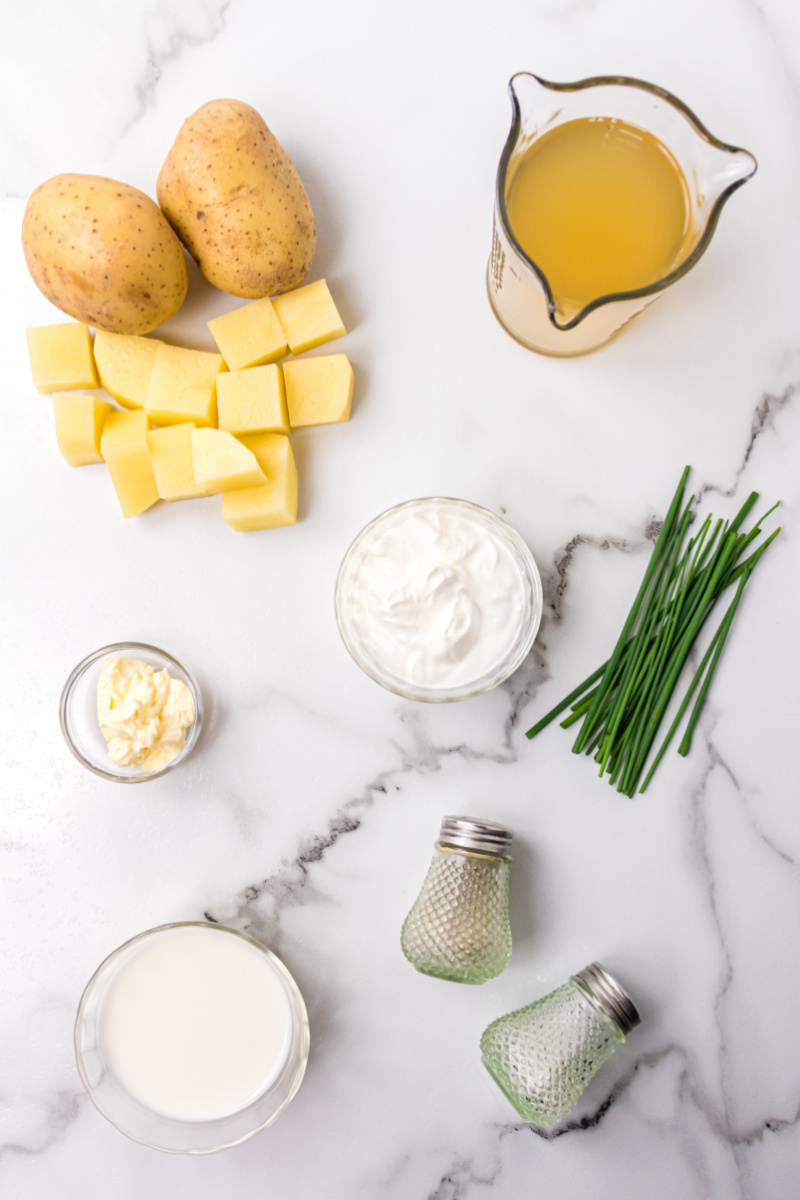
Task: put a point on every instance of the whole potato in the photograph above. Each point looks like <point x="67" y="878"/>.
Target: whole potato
<point x="104" y="253"/>
<point x="233" y="196"/>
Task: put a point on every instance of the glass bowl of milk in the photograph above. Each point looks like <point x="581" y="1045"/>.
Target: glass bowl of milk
<point x="438" y="599"/>
<point x="191" y="1038"/>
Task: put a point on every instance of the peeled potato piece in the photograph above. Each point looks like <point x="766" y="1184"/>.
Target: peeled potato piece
<point x="125" y="364"/>
<point x="253" y="401"/>
<point x="124" y="447"/>
<point x="249" y="336"/>
<point x="274" y="504"/>
<point x="173" y="462"/>
<point x="319" y="391"/>
<point x="222" y="463"/>
<point x="61" y="357"/>
<point x="183" y="386"/>
<point x="308" y="317"/>
<point x="79" y="427"/>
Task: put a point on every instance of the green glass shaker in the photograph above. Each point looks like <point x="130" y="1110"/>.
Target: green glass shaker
<point x="458" y="927"/>
<point x="543" y="1056"/>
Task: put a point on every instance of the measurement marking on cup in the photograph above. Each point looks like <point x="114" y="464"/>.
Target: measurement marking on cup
<point x="498" y="261"/>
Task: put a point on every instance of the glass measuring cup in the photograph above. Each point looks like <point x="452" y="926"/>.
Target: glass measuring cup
<point x="519" y="291"/>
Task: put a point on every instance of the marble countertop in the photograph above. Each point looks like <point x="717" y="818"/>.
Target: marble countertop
<point x="307" y="813"/>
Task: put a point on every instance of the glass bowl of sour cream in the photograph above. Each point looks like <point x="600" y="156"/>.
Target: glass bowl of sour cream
<point x="438" y="600"/>
<point x="131" y="712"/>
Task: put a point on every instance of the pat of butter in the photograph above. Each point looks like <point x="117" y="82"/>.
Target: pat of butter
<point x="143" y="713"/>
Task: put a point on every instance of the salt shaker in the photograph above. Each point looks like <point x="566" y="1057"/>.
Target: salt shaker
<point x="544" y="1055"/>
<point x="458" y="927"/>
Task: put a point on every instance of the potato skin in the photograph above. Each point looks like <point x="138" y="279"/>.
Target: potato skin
<point x="234" y="198"/>
<point x="104" y="253"/>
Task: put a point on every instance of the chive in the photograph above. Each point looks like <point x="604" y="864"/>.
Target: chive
<point x="718" y="644"/>
<point x="676" y="663"/>
<point x="722" y="634"/>
<point x="684" y="705"/>
<point x="579" y="710"/>
<point x="661" y="542"/>
<point x="622" y="704"/>
<point x="559" y="708"/>
<point x="667" y="640"/>
<point x="648" y="618"/>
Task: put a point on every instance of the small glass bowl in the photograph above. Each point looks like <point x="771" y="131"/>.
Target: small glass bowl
<point x="529" y="624"/>
<point x="154" y="1129"/>
<point x="78" y="711"/>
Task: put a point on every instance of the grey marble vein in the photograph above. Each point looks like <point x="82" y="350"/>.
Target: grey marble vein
<point x="555" y="583"/>
<point x="777" y="42"/>
<point x="782" y="854"/>
<point x="764" y="418"/>
<point x="720" y="1121"/>
<point x="464" y="1174"/>
<point x="62" y="1110"/>
<point x="258" y="907"/>
<point x="159" y="56"/>
<point x="690" y="1086"/>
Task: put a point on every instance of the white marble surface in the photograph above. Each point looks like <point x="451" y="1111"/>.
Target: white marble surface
<point x="307" y="813"/>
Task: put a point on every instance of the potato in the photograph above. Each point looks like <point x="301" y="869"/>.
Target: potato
<point x="183" y="386"/>
<point x="234" y="198"/>
<point x="61" y="357"/>
<point x="104" y="253"/>
<point x="252" y="401"/>
<point x="125" y="364"/>
<point x="79" y="427"/>
<point x="222" y="463"/>
<point x="319" y="391"/>
<point x="308" y="317"/>
<point x="124" y="447"/>
<point x="249" y="336"/>
<point x="173" y="463"/>
<point x="274" y="504"/>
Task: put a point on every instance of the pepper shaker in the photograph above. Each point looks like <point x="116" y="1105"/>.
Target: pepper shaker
<point x="544" y="1055"/>
<point x="458" y="927"/>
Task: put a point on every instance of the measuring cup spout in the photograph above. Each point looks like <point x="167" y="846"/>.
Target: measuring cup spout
<point x="734" y="170"/>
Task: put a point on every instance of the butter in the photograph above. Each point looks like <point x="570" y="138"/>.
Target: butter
<point x="143" y="713"/>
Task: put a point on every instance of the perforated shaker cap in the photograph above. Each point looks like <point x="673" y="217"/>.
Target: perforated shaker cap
<point x="470" y="833"/>
<point x="610" y="997"/>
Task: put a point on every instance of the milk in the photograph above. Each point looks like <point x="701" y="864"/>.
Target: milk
<point x="196" y="1023"/>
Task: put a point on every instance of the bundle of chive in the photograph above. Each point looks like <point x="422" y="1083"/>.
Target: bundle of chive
<point x="622" y="704"/>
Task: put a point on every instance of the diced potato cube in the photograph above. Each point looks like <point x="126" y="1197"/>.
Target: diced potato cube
<point x="125" y="364"/>
<point x="183" y="386"/>
<point x="124" y="447"/>
<point x="253" y="401"/>
<point x="173" y="463"/>
<point x="274" y="503"/>
<point x="249" y="336"/>
<point x="319" y="391"/>
<point x="61" y="357"/>
<point x="308" y="317"/>
<point x="79" y="426"/>
<point x="221" y="463"/>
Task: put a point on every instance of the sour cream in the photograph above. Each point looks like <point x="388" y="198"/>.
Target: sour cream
<point x="436" y="594"/>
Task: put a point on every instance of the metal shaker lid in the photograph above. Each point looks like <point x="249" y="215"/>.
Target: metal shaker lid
<point x="470" y="833"/>
<point x="609" y="996"/>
